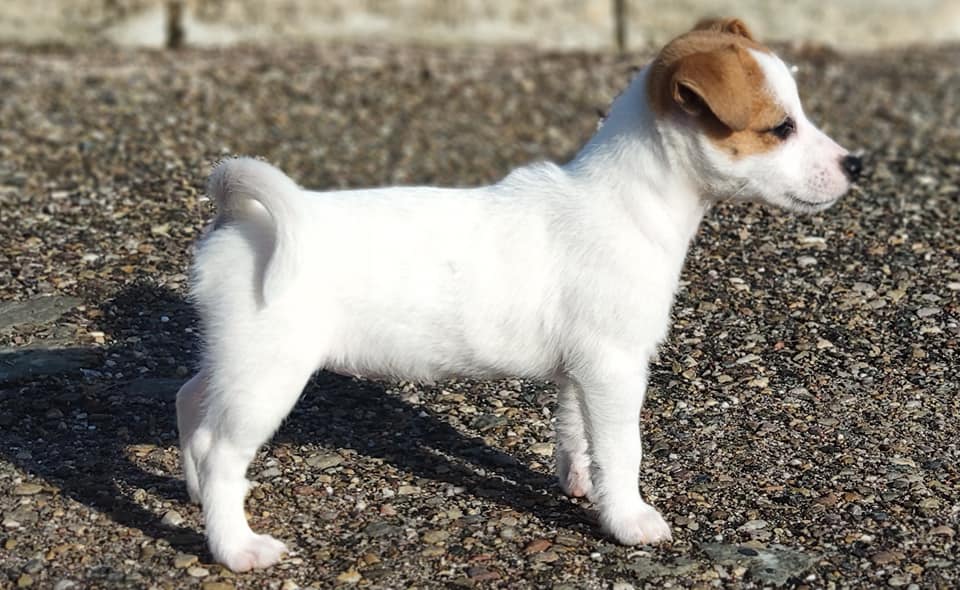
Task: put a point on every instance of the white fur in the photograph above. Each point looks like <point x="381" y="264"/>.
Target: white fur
<point x="562" y="273"/>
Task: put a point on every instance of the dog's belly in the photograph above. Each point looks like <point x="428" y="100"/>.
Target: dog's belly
<point x="426" y="347"/>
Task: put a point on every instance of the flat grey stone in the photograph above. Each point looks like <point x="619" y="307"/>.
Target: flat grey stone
<point x="644" y="568"/>
<point x="775" y="564"/>
<point x="40" y="310"/>
<point x="20" y="364"/>
<point x="324" y="461"/>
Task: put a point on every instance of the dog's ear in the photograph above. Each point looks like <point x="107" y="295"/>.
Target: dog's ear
<point x="715" y="81"/>
<point x="724" y="25"/>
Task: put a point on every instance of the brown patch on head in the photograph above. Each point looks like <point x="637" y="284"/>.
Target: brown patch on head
<point x="709" y="75"/>
<point x="724" y="25"/>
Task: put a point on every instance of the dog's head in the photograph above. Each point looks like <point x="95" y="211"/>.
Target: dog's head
<point x="731" y="106"/>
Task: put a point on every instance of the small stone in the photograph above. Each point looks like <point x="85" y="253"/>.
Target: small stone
<point x="270" y="472"/>
<point x="184" y="560"/>
<point x="24" y="581"/>
<point x="370" y="558"/>
<point x="10" y="544"/>
<point x="622" y="586"/>
<point x="351" y="576"/>
<point x="567" y="540"/>
<point x="27" y="489"/>
<point x="33" y="566"/>
<point x="542" y="448"/>
<point x="898" y="580"/>
<point x="324" y="461"/>
<point x="388" y="510"/>
<point x="943" y="530"/>
<point x="217" y="586"/>
<point x="435" y="537"/>
<point x="171" y="519"/>
<point x="289" y="585"/>
<point x="927" y="312"/>
<point x="480" y="574"/>
<point x="545" y="557"/>
<point x="198" y="572"/>
<point x="485" y="422"/>
<point x="64" y="584"/>
<point x="885" y="557"/>
<point x="536" y="546"/>
<point x="380" y="529"/>
<point x="408" y="490"/>
<point x="508" y="533"/>
<point x="805" y="261"/>
<point x="754" y="525"/>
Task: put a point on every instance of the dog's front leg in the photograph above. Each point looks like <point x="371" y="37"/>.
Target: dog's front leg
<point x="612" y="400"/>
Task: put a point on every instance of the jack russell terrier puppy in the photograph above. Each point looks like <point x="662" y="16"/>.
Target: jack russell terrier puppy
<point x="564" y="273"/>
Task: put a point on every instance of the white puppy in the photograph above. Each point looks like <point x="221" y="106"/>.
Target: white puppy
<point x="564" y="273"/>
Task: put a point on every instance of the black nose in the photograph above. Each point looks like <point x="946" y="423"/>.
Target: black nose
<point x="852" y="166"/>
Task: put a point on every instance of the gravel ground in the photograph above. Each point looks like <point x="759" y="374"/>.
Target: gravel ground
<point x="801" y="427"/>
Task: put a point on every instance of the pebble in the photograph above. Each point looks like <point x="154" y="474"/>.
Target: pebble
<point x="351" y="576"/>
<point x="542" y="448"/>
<point x="171" y="518"/>
<point x="435" y="537"/>
<point x="217" y="585"/>
<point x="270" y="472"/>
<point x="33" y="566"/>
<point x="754" y="525"/>
<point x="27" y="489"/>
<point x="64" y="584"/>
<point x="198" y="572"/>
<point x="536" y="546"/>
<point x="24" y="581"/>
<point x="324" y="461"/>
<point x="943" y="530"/>
<point x="545" y="557"/>
<point x="184" y="560"/>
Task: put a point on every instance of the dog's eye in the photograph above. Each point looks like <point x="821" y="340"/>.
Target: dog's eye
<point x="785" y="129"/>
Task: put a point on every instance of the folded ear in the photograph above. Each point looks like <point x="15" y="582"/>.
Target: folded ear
<point x="715" y="81"/>
<point x="724" y="25"/>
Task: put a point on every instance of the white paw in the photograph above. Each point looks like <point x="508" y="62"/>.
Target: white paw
<point x="573" y="474"/>
<point x="639" y="526"/>
<point x="252" y="552"/>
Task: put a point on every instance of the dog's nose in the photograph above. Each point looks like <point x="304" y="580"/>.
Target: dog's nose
<point x="852" y="166"/>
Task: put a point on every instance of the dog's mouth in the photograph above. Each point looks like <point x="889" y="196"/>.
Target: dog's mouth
<point x="810" y="206"/>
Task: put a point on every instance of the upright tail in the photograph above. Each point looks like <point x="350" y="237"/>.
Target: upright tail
<point x="233" y="186"/>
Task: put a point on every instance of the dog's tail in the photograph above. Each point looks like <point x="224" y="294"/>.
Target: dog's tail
<point x="234" y="185"/>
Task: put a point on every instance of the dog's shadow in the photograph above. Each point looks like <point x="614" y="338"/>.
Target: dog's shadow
<point x="101" y="435"/>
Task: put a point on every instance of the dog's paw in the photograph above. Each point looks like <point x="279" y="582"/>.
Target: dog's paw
<point x="251" y="552"/>
<point x="640" y="526"/>
<point x="576" y="482"/>
<point x="573" y="474"/>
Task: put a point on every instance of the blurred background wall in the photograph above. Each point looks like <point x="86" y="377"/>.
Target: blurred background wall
<point x="553" y="24"/>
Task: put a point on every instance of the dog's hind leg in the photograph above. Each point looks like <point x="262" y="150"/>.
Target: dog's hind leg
<point x="572" y="455"/>
<point x="245" y="401"/>
<point x="189" y="413"/>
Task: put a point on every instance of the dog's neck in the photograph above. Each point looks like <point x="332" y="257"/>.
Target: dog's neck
<point x="631" y="160"/>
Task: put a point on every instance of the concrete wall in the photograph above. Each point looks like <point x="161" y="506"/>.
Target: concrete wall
<point x="557" y="24"/>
